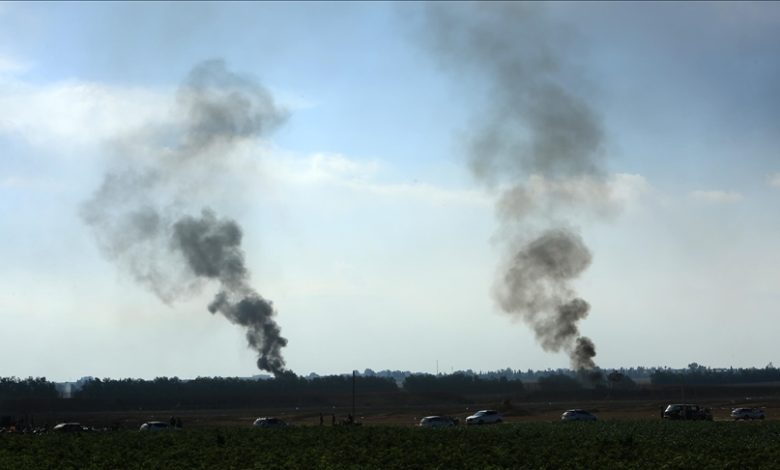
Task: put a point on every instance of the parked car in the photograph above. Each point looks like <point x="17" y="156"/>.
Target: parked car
<point x="485" y="417"/>
<point x="269" y="423"/>
<point x="68" y="427"/>
<point x="577" y="415"/>
<point x="747" y="413"/>
<point x="157" y="426"/>
<point x="687" y="412"/>
<point x="438" y="422"/>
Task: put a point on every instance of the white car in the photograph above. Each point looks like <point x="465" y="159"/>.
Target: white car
<point x="577" y="415"/>
<point x="269" y="423"/>
<point x="747" y="413"/>
<point x="437" y="422"/>
<point x="157" y="426"/>
<point x="485" y="417"/>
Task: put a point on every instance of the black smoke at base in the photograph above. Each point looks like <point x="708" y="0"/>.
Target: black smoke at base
<point x="140" y="214"/>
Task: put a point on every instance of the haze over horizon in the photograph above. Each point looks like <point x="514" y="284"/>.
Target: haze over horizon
<point x="382" y="208"/>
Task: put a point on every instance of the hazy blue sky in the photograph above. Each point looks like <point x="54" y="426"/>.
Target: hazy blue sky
<point x="362" y="221"/>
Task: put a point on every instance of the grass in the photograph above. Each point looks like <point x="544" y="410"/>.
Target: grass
<point x="615" y="444"/>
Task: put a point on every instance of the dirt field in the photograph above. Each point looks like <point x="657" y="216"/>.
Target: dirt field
<point x="629" y="434"/>
<point x="409" y="415"/>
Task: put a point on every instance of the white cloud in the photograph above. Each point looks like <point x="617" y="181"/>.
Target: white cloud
<point x="71" y="113"/>
<point x="321" y="168"/>
<point x="774" y="180"/>
<point x="22" y="183"/>
<point x="716" y="196"/>
<point x="425" y="191"/>
<point x="76" y="112"/>
<point x="84" y="113"/>
<point x="620" y="191"/>
<point x="87" y="113"/>
<point x="11" y="66"/>
<point x="628" y="188"/>
<point x="336" y="170"/>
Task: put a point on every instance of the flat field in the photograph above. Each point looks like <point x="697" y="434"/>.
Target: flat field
<point x="404" y="415"/>
<point x="606" y="444"/>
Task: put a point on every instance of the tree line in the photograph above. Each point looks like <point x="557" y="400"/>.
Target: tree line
<point x="217" y="392"/>
<point x="336" y="390"/>
<point x="697" y="374"/>
<point x="37" y="388"/>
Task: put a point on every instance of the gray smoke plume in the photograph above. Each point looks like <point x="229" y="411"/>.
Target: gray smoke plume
<point x="534" y="127"/>
<point x="141" y="212"/>
<point x="222" y="107"/>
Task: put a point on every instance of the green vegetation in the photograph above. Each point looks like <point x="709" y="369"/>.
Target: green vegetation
<point x="530" y="445"/>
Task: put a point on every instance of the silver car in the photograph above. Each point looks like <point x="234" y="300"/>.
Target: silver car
<point x="578" y="415"/>
<point x="485" y="417"/>
<point x="437" y="422"/>
<point x="747" y="413"/>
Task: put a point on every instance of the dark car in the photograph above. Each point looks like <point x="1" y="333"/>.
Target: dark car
<point x="156" y="426"/>
<point x="68" y="427"/>
<point x="687" y="412"/>
<point x="578" y="415"/>
<point x="269" y="423"/>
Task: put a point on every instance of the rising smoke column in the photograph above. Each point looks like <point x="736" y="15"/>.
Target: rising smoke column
<point x="142" y="213"/>
<point x="536" y="285"/>
<point x="535" y="131"/>
<point x="212" y="248"/>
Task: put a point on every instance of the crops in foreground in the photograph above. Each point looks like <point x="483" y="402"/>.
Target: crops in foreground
<point x="528" y="445"/>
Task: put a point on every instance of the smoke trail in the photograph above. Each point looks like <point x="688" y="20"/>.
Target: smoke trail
<point x="534" y="132"/>
<point x="140" y="214"/>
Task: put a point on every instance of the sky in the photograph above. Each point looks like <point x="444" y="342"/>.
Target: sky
<point x="362" y="219"/>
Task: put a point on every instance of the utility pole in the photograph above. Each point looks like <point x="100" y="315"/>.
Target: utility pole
<point x="354" y="374"/>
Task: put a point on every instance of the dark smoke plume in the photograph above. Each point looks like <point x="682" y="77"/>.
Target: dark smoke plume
<point x="140" y="214"/>
<point x="212" y="249"/>
<point x="535" y="126"/>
